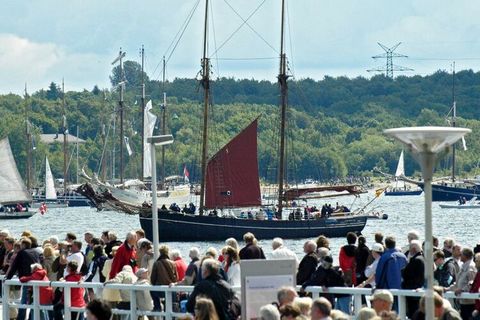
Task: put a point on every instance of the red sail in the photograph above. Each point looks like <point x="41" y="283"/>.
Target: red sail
<point x="232" y="173"/>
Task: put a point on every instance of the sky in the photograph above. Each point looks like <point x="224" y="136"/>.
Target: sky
<point x="45" y="41"/>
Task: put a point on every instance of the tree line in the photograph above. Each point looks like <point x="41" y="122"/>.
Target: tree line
<point x="334" y="129"/>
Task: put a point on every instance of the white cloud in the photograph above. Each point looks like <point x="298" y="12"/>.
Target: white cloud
<point x="37" y="64"/>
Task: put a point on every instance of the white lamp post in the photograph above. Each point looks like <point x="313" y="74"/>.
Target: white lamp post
<point x="156" y="141"/>
<point x="427" y="144"/>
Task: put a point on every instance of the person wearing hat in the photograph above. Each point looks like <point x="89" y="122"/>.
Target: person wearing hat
<point x="144" y="299"/>
<point x="377" y="251"/>
<point x="382" y="300"/>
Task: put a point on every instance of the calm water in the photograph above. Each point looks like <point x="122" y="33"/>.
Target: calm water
<point x="405" y="213"/>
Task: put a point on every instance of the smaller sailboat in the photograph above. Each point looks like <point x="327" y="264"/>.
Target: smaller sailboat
<point x="400" y="188"/>
<point x="51" y="199"/>
<point x="14" y="197"/>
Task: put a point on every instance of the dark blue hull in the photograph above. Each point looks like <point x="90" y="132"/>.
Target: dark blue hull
<point x="444" y="192"/>
<point x="72" y="200"/>
<point x="404" y="193"/>
<point x="179" y="227"/>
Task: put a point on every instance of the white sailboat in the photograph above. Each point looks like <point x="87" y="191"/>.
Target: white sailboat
<point x="400" y="188"/>
<point x="51" y="200"/>
<point x="13" y="193"/>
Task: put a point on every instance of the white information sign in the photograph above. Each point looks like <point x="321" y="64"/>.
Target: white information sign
<point x="262" y="290"/>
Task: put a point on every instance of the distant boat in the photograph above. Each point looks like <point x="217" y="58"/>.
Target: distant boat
<point x="401" y="190"/>
<point x="50" y="199"/>
<point x="473" y="203"/>
<point x="14" y="196"/>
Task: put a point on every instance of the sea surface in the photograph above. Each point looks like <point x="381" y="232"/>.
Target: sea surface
<point x="404" y="214"/>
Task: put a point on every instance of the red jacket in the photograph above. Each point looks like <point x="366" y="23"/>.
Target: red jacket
<point x="347" y="262"/>
<point x="475" y="288"/>
<point x="181" y="268"/>
<point x="76" y="294"/>
<point x="46" y="293"/>
<point x="125" y="256"/>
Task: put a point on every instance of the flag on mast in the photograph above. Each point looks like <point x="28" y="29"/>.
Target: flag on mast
<point x="186" y="174"/>
<point x="127" y="144"/>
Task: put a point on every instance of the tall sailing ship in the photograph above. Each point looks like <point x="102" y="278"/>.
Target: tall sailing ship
<point x="230" y="179"/>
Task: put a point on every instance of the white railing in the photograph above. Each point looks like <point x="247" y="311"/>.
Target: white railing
<point x="168" y="312"/>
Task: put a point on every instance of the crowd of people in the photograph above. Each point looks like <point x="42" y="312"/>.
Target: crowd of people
<point x="104" y="258"/>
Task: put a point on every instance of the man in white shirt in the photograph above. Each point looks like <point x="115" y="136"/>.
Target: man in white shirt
<point x="280" y="252"/>
<point x="75" y="254"/>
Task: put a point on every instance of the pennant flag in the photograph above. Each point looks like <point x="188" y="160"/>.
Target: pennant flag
<point x="379" y="192"/>
<point x="186" y="174"/>
<point x="127" y="145"/>
<point x="464" y="144"/>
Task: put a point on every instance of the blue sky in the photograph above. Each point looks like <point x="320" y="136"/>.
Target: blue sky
<point x="43" y="41"/>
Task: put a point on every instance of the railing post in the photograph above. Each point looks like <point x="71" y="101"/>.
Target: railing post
<point x="5" y="300"/>
<point x="36" y="301"/>
<point x="67" y="303"/>
<point x="168" y="304"/>
<point x="402" y="307"/>
<point x="357" y="303"/>
<point x="133" y="305"/>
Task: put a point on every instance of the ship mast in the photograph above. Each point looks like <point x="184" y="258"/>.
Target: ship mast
<point x="142" y="112"/>
<point x="164" y="121"/>
<point x="282" y="80"/>
<point x="206" y="87"/>
<point x="454" y="119"/>
<point x="121" y="55"/>
<point x="28" y="138"/>
<point x="65" y="140"/>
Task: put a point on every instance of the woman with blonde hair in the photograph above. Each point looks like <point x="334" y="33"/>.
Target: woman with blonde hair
<point x="205" y="310"/>
<point x="231" y="265"/>
<point x="48" y="258"/>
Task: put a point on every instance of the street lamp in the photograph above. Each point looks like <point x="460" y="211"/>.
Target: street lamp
<point x="427" y="145"/>
<point x="156" y="141"/>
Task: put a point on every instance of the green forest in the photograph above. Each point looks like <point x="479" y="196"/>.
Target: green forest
<point x="334" y="125"/>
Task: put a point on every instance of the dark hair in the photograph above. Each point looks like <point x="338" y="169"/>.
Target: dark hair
<point x="10" y="240"/>
<point x="468" y="253"/>
<point x="362" y="240"/>
<point x="379" y="237"/>
<point x="95" y="241"/>
<point x="105" y="233"/>
<point x="71" y="236"/>
<point x="351" y="238"/>
<point x="390" y="242"/>
<point x="438" y="255"/>
<point x="99" y="309"/>
<point x="78" y="244"/>
<point x="34" y="241"/>
<point x="72" y="265"/>
<point x="98" y="250"/>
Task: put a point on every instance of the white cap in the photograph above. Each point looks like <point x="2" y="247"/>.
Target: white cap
<point x="377" y="247"/>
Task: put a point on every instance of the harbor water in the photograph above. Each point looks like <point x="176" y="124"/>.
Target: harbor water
<point x="404" y="214"/>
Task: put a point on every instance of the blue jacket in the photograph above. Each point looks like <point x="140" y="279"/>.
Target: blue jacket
<point x="389" y="269"/>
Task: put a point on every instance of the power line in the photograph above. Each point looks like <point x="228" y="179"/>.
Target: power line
<point x="389" y="55"/>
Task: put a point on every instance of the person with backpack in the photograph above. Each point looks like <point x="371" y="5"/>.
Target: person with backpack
<point x="444" y="273"/>
<point x="95" y="268"/>
<point x="74" y="253"/>
<point x="218" y="290"/>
